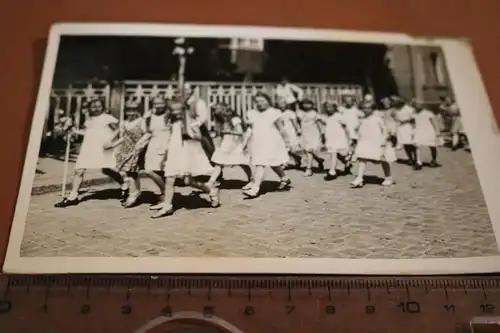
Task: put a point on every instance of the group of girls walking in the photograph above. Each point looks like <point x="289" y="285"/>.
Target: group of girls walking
<point x="156" y="145"/>
<point x="359" y="132"/>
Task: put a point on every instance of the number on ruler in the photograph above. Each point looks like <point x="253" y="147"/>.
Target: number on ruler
<point x="369" y="309"/>
<point x="450" y="308"/>
<point x="330" y="309"/>
<point x="487" y="308"/>
<point x="208" y="311"/>
<point x="409" y="307"/>
<point x="289" y="309"/>
<point x="249" y="310"/>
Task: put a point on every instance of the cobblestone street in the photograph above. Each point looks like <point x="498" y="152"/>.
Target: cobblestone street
<point x="429" y="213"/>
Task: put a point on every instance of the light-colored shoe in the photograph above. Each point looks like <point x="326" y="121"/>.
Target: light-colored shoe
<point x="248" y="186"/>
<point x="214" y="197"/>
<point x="357" y="183"/>
<point x="252" y="193"/>
<point x="388" y="182"/>
<point x="308" y="173"/>
<point x="163" y="211"/>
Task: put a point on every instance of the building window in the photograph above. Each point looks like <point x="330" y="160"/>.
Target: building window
<point x="438" y="68"/>
<point x="389" y="59"/>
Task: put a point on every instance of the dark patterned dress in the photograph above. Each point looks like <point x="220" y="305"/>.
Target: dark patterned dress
<point x="126" y="157"/>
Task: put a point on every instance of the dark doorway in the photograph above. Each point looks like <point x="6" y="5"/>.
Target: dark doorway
<point x="85" y="58"/>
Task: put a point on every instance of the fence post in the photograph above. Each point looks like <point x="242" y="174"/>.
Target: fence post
<point x="116" y="97"/>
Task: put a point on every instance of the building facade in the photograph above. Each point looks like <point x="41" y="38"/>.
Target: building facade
<point x="420" y="71"/>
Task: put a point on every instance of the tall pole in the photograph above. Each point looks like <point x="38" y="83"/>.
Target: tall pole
<point x="182" y="50"/>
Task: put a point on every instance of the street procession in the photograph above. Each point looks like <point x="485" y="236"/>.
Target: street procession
<point x="174" y="142"/>
<point x="180" y="139"/>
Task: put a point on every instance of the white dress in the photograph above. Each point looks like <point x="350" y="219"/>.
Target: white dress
<point x="425" y="134"/>
<point x="352" y="118"/>
<point x="185" y="157"/>
<point x="405" y="129"/>
<point x="293" y="141"/>
<point x="156" y="151"/>
<point x="372" y="140"/>
<point x="310" y="140"/>
<point x="337" y="140"/>
<point x="267" y="146"/>
<point x="230" y="152"/>
<point x="98" y="133"/>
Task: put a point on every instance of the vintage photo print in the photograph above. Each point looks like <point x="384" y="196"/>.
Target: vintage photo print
<point x="209" y="149"/>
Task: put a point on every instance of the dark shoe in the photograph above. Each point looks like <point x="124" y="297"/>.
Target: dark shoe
<point x="347" y="170"/>
<point x="434" y="164"/>
<point x="284" y="185"/>
<point x="418" y="166"/>
<point x="67" y="203"/>
<point x="330" y="177"/>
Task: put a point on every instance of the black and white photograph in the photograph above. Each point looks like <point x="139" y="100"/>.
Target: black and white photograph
<point x="252" y="146"/>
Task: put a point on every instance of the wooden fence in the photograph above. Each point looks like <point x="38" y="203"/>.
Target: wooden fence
<point x="238" y="95"/>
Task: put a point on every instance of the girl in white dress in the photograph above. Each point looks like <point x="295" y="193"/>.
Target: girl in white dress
<point x="230" y="152"/>
<point x="159" y="127"/>
<point x="266" y="142"/>
<point x="387" y="114"/>
<point x="310" y="123"/>
<point x="336" y="139"/>
<point x="371" y="146"/>
<point x="426" y="133"/>
<point x="352" y="115"/>
<point x="186" y="159"/>
<point x="450" y="107"/>
<point x="96" y="151"/>
<point x="404" y="115"/>
<point x="292" y="129"/>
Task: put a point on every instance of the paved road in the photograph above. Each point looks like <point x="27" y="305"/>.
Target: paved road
<point x="429" y="213"/>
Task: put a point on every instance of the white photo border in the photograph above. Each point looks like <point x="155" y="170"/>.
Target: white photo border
<point x="478" y="118"/>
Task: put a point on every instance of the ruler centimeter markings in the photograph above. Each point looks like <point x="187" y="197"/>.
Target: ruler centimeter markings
<point x="249" y="304"/>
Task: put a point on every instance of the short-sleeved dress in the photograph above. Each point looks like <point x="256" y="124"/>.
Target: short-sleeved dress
<point x="185" y="156"/>
<point x="390" y="123"/>
<point x="372" y="140"/>
<point x="97" y="134"/>
<point x="293" y="141"/>
<point x="352" y="117"/>
<point x="230" y="152"/>
<point x="425" y="133"/>
<point x="337" y="140"/>
<point x="127" y="159"/>
<point x="267" y="146"/>
<point x="156" y="152"/>
<point x="405" y="126"/>
<point x="310" y="140"/>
